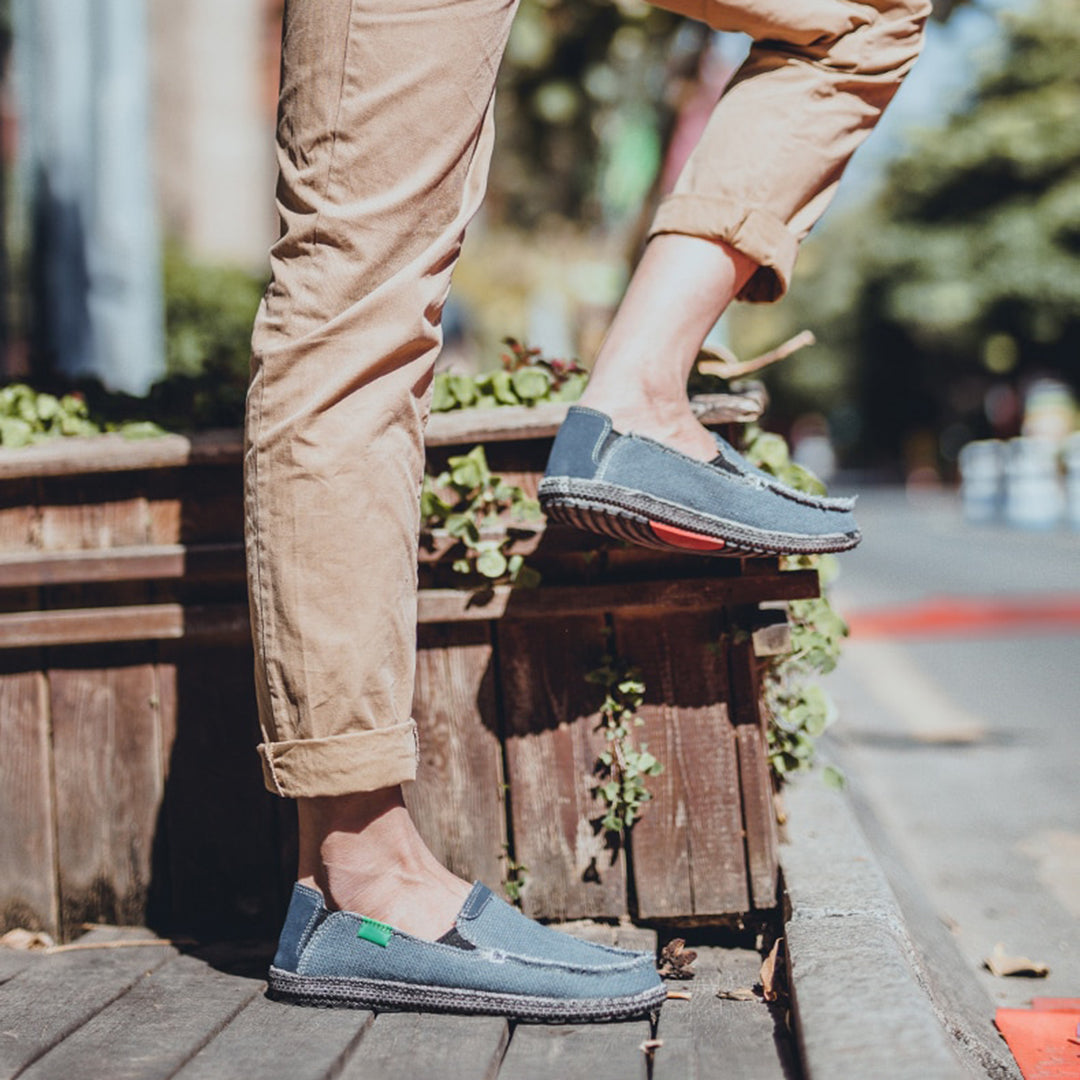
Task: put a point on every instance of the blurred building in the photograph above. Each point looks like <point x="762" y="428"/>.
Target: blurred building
<point x="215" y="78"/>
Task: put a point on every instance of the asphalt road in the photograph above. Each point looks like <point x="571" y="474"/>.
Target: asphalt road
<point x="959" y="704"/>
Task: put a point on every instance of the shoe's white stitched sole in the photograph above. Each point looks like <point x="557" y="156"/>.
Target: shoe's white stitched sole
<point x="344" y="992"/>
<point x="614" y="511"/>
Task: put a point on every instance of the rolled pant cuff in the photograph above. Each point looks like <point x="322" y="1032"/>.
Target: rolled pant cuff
<point x="755" y="233"/>
<point x="341" y="764"/>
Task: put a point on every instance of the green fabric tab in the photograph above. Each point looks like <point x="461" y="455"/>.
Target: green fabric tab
<point x="377" y="932"/>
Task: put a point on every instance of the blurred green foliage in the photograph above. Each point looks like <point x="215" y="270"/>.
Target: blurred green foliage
<point x="582" y="108"/>
<point x="965" y="271"/>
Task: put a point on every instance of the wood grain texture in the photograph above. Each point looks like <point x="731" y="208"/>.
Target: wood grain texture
<point x="114" y="453"/>
<point x="28" y="885"/>
<point x="20" y="520"/>
<point x="558" y="601"/>
<point x="688" y="852"/>
<point x="221" y="623"/>
<point x="269" y="1040"/>
<point x="759" y="814"/>
<point x="222" y="561"/>
<point x="552" y="743"/>
<point x="75" y="986"/>
<point x="107" y="752"/>
<point x="411" y="1046"/>
<point x="577" y="1052"/>
<point x="457" y="799"/>
<point x="157" y="1025"/>
<point x="707" y="1037"/>
<point x="221" y="823"/>
<point x="89" y="512"/>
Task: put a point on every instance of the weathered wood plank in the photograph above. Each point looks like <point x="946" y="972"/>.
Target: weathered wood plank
<point x="755" y="781"/>
<point x="14" y="961"/>
<point x="224" y="623"/>
<point x="114" y="453"/>
<point x="558" y="601"/>
<point x="269" y="1040"/>
<point x="411" y="1046"/>
<point x="29" y="896"/>
<point x="577" y="1052"/>
<point x="88" y="511"/>
<point x="688" y="852"/>
<point x="156" y="1026"/>
<point x="133" y="563"/>
<point x="20" y="520"/>
<point x="107" y="753"/>
<point x="708" y="1037"/>
<point x="58" y="994"/>
<point x="457" y="799"/>
<point x="221" y="823"/>
<point x="552" y="744"/>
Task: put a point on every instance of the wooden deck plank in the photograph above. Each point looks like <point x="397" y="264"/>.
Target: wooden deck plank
<point x="14" y="961"/>
<point x="577" y="1052"/>
<point x="708" y="1037"/>
<point x="269" y="1040"/>
<point x="418" y="1046"/>
<point x="56" y="995"/>
<point x="153" y="1029"/>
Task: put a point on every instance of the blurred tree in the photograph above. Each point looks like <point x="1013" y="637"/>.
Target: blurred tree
<point x="965" y="272"/>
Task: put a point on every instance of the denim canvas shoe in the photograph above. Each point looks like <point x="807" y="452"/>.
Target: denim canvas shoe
<point x="493" y="960"/>
<point x="637" y="489"/>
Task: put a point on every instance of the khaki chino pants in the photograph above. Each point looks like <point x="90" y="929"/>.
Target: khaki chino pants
<point x="384" y="138"/>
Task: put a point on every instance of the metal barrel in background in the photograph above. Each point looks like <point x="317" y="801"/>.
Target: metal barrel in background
<point x="982" y="480"/>
<point x="1034" y="491"/>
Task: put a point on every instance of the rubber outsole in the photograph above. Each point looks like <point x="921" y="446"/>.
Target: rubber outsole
<point x="633" y="516"/>
<point x="356" y="993"/>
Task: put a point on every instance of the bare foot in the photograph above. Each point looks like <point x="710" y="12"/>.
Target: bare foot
<point x="669" y="422"/>
<point x="364" y="854"/>
<point x="678" y="291"/>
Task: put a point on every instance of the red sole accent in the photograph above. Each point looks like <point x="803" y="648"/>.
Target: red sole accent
<point x="681" y="538"/>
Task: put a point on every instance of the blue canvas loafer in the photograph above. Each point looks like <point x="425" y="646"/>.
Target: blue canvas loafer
<point x="634" y="488"/>
<point x="494" y="960"/>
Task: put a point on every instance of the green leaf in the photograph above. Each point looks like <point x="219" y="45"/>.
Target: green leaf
<point x="491" y="563"/>
<point x="530" y="383"/>
<point x="442" y="397"/>
<point x="833" y="778"/>
<point x="463" y="388"/>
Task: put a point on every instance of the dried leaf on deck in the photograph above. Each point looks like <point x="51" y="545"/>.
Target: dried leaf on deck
<point x="31" y="940"/>
<point x="676" y="960"/>
<point x="744" y="993"/>
<point x="1000" y="964"/>
<point x="773" y="974"/>
<point x="650" y="1046"/>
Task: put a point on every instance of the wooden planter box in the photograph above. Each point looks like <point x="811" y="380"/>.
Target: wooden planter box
<point x="129" y="786"/>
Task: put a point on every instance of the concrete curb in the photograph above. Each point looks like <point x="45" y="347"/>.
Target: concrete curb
<point x="879" y="988"/>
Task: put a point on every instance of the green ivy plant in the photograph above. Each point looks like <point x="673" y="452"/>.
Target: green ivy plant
<point x="28" y="416"/>
<point x="526" y="377"/>
<point x="516" y="876"/>
<point x="622" y="768"/>
<point x="799" y="709"/>
<point x="476" y="508"/>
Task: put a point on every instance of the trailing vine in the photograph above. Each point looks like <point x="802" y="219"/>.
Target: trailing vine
<point x="799" y="708"/>
<point x="474" y="506"/>
<point x="622" y="768"/>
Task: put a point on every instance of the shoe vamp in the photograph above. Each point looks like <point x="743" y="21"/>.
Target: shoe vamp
<point x="651" y="469"/>
<point x="500" y="926"/>
<point x="335" y="951"/>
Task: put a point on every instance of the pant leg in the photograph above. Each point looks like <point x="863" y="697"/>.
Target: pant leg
<point x="384" y="138"/>
<point x="818" y="76"/>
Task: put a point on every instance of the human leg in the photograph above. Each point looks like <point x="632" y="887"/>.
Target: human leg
<point x="817" y="79"/>
<point x="383" y="142"/>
